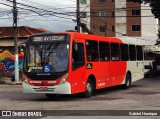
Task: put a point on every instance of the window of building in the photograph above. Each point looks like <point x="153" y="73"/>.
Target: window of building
<point x="83" y="14"/>
<point x="94" y="13"/>
<point x="92" y="50"/>
<point x="132" y="52"/>
<point x="83" y="30"/>
<point x="139" y="53"/>
<point x="83" y="2"/>
<point x="77" y="55"/>
<point x="104" y="50"/>
<point x="115" y="52"/>
<point x="136" y="12"/>
<point x="102" y="13"/>
<point x="113" y="28"/>
<point x="136" y="28"/>
<point x="101" y="1"/>
<point x="124" y="52"/>
<point x="102" y="29"/>
<point x="113" y="13"/>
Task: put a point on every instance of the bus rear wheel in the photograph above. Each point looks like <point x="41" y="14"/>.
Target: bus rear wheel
<point x="127" y="81"/>
<point x="90" y="88"/>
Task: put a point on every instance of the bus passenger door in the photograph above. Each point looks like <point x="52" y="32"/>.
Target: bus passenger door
<point x="78" y="67"/>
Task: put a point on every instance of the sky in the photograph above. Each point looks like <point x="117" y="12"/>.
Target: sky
<point x="58" y="15"/>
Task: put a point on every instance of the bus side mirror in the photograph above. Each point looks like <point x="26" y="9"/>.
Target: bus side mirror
<point x="21" y="47"/>
<point x="19" y="51"/>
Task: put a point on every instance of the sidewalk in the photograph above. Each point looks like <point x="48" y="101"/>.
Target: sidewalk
<point x="7" y="81"/>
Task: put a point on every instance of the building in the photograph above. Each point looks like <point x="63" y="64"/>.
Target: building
<point x="7" y="36"/>
<point x="85" y="12"/>
<point x="7" y="47"/>
<point x="115" y="18"/>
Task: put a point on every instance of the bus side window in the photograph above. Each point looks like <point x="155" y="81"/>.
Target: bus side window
<point x="132" y="52"/>
<point x="104" y="51"/>
<point x="124" y="52"/>
<point x="92" y="51"/>
<point x="115" y="52"/>
<point x="77" y="55"/>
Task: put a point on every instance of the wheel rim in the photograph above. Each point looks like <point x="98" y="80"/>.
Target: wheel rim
<point x="89" y="88"/>
<point x="128" y="81"/>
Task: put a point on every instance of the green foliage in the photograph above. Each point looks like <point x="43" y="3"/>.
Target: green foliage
<point x="2" y="81"/>
<point x="154" y="4"/>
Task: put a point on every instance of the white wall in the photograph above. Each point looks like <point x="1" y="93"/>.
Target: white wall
<point x="120" y="22"/>
<point x="148" y="23"/>
<point x="87" y="9"/>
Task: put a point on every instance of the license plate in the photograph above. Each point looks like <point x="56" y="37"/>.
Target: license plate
<point x="43" y="88"/>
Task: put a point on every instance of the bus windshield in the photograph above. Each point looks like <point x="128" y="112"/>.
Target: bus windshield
<point x="43" y="58"/>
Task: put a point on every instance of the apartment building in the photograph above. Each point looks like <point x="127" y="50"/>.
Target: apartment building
<point x="115" y="18"/>
<point x="85" y="12"/>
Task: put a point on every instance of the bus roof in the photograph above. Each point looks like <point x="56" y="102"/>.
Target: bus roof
<point x="123" y="39"/>
<point x="150" y="40"/>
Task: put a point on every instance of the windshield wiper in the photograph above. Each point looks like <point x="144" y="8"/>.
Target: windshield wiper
<point x="52" y="49"/>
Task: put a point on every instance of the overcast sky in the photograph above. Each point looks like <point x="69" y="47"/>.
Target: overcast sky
<point x="49" y="22"/>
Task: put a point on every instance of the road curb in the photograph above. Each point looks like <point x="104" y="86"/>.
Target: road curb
<point x="7" y="81"/>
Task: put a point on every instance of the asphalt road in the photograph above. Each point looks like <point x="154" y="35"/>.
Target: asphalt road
<point x="143" y="95"/>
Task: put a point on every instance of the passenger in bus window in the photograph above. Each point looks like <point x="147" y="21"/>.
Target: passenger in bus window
<point x="33" y="61"/>
<point x="38" y="58"/>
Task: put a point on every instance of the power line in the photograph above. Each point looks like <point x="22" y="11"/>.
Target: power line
<point x="64" y="9"/>
<point x="120" y="16"/>
<point x="37" y="12"/>
<point x="105" y="28"/>
<point x="87" y="6"/>
<point x="44" y="10"/>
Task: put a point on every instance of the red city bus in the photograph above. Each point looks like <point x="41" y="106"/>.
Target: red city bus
<point x="71" y="62"/>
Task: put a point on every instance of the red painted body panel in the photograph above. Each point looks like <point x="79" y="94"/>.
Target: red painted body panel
<point x="106" y="73"/>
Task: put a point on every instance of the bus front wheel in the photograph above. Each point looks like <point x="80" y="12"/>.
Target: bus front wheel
<point x="89" y="89"/>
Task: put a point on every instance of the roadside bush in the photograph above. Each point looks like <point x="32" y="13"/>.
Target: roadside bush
<point x="2" y="81"/>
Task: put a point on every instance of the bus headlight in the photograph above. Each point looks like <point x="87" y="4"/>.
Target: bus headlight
<point x="25" y="79"/>
<point x="63" y="78"/>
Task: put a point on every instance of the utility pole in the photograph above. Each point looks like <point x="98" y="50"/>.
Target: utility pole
<point x="15" y="40"/>
<point x="105" y="29"/>
<point x="78" y="17"/>
<point x="159" y="28"/>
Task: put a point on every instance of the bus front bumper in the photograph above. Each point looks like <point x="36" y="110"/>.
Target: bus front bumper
<point x="64" y="88"/>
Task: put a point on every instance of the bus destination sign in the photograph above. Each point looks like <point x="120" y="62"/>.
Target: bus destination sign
<point x="48" y="38"/>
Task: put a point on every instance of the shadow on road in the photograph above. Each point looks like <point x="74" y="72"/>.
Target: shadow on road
<point x="102" y="94"/>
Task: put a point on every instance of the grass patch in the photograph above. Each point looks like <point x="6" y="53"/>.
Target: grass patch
<point x="2" y="82"/>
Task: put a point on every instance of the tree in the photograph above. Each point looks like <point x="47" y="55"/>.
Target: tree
<point x="154" y="4"/>
<point x="155" y="9"/>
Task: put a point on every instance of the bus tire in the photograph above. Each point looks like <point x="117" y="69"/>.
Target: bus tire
<point x="51" y="96"/>
<point x="90" y="88"/>
<point x="127" y="81"/>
